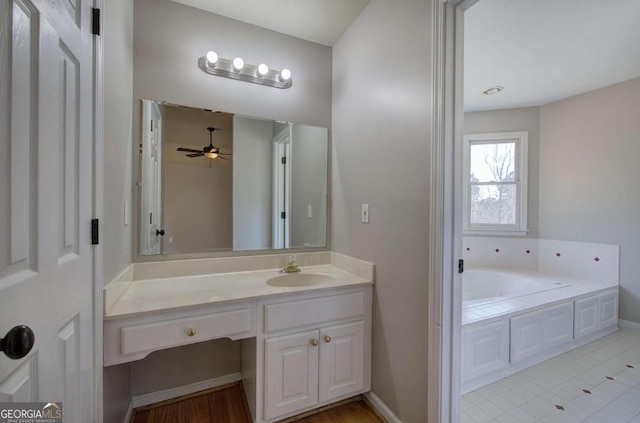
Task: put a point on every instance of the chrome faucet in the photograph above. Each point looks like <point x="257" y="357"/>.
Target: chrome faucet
<point x="291" y="266"/>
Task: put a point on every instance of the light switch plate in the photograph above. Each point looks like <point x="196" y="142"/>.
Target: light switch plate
<point x="365" y="213"/>
<point x="126" y="212"/>
<point x="309" y="212"/>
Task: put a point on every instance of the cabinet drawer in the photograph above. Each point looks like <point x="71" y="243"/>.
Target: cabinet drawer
<point x="171" y="333"/>
<point x="314" y="311"/>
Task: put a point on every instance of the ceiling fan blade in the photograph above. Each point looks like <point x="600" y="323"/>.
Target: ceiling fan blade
<point x="223" y="158"/>
<point x="189" y="150"/>
<point x="224" y="154"/>
<point x="195" y="155"/>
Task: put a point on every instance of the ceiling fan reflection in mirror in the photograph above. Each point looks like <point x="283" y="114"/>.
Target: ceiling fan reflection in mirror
<point x="210" y="151"/>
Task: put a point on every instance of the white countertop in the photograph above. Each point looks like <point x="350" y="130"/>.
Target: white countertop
<point x="153" y="295"/>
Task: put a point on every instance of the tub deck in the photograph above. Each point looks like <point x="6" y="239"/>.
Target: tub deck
<point x="490" y="309"/>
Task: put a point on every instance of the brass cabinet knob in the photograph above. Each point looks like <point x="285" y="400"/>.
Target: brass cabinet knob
<point x="314" y="342"/>
<point x="191" y="332"/>
<point x="327" y="339"/>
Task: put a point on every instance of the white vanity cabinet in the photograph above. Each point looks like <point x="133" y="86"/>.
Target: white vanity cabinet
<point x="303" y="346"/>
<point x="320" y="351"/>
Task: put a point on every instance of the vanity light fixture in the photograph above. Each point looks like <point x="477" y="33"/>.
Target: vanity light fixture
<point x="237" y="69"/>
<point x="493" y="90"/>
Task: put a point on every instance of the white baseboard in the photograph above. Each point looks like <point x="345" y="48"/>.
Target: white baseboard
<point x="153" y="397"/>
<point x="382" y="408"/>
<point x="628" y="325"/>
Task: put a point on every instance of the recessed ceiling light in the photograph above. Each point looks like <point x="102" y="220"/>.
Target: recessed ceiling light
<point x="493" y="90"/>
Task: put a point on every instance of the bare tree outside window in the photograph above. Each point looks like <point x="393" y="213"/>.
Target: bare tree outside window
<point x="493" y="183"/>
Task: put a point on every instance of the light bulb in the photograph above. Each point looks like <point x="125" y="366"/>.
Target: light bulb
<point x="211" y="155"/>
<point x="238" y="64"/>
<point x="285" y="75"/>
<point x="263" y="69"/>
<point x="212" y="58"/>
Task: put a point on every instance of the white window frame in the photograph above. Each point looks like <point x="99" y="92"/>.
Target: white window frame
<point x="521" y="181"/>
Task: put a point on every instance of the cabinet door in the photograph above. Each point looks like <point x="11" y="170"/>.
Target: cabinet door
<point x="608" y="310"/>
<point x="558" y="326"/>
<point x="341" y="360"/>
<point x="527" y="335"/>
<point x="486" y="349"/>
<point x="291" y="373"/>
<point x="587" y="317"/>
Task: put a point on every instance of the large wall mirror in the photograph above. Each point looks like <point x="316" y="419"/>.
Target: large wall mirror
<point x="214" y="181"/>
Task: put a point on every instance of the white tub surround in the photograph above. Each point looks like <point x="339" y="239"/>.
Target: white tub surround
<point x="521" y="319"/>
<point x="302" y="347"/>
<point x="580" y="260"/>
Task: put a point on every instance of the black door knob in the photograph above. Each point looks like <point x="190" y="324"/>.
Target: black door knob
<point x="160" y="232"/>
<point x="17" y="342"/>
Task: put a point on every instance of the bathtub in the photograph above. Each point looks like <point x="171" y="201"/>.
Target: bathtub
<point x="513" y="320"/>
<point x="480" y="286"/>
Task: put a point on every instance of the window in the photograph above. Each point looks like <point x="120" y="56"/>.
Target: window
<point x="495" y="188"/>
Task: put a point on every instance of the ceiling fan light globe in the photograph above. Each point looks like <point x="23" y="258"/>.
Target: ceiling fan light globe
<point x="211" y="154"/>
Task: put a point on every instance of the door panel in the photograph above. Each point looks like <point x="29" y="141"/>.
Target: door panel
<point x="18" y="188"/>
<point x="341" y="360"/>
<point x="291" y="375"/>
<point x="46" y="160"/>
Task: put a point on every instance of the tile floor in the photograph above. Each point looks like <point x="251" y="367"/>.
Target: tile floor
<point x="596" y="383"/>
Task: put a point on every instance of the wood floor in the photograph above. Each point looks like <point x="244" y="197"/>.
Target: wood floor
<point x="227" y="404"/>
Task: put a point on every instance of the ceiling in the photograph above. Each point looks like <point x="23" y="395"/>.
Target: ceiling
<point x="542" y="51"/>
<point x="320" y="21"/>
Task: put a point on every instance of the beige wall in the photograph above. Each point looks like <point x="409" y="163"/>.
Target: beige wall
<point x="118" y="145"/>
<point x="181" y="366"/>
<point x="523" y="119"/>
<point x="380" y="155"/>
<point x="118" y="151"/>
<point x="583" y="172"/>
<point x="309" y="186"/>
<point x="589" y="154"/>
<point x="170" y="37"/>
<point x="196" y="202"/>
<point x="252" y="183"/>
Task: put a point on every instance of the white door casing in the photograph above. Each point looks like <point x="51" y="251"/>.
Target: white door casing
<point x="46" y="158"/>
<point x="281" y="188"/>
<point x="151" y="181"/>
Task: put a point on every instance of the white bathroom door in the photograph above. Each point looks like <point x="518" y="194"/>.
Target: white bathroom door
<point x="46" y="162"/>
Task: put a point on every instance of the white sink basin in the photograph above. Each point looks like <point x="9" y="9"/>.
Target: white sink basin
<point x="299" y="279"/>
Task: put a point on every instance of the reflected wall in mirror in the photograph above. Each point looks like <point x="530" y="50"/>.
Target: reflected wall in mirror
<point x="248" y="184"/>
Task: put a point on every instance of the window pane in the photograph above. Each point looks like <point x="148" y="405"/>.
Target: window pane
<point x="493" y="204"/>
<point x="492" y="162"/>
